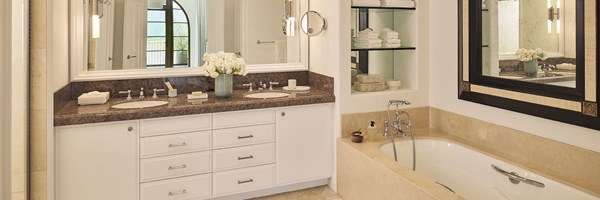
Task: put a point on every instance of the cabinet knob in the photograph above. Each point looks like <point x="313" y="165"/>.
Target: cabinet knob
<point x="130" y="129"/>
<point x="283" y="114"/>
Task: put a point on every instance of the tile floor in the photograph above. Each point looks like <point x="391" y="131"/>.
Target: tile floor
<point x="316" y="193"/>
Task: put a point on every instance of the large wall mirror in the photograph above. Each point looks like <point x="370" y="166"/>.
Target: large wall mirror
<point x="146" y="38"/>
<point x="532" y="56"/>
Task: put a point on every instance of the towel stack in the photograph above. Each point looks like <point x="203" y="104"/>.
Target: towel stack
<point x="369" y="83"/>
<point x="92" y="98"/>
<point x="367" y="39"/>
<point x="389" y="38"/>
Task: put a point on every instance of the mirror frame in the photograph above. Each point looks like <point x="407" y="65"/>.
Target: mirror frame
<point x="77" y="57"/>
<point x="577" y="106"/>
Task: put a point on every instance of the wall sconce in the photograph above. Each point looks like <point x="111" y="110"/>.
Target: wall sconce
<point x="97" y="14"/>
<point x="289" y="27"/>
<point x="553" y="15"/>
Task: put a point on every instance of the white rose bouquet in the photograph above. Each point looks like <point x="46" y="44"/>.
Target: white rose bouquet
<point x="527" y="55"/>
<point x="223" y="63"/>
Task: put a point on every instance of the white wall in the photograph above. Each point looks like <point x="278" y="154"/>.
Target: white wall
<point x="59" y="27"/>
<point x="444" y="87"/>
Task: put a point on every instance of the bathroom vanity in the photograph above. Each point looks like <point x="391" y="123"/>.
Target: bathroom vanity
<point x="208" y="151"/>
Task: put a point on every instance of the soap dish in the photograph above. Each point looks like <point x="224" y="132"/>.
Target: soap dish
<point x="298" y="88"/>
<point x="193" y="97"/>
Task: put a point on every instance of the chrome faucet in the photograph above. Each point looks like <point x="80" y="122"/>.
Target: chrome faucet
<point x="398" y="122"/>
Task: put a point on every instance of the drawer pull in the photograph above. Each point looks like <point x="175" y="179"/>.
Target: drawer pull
<point x="246" y="181"/>
<point x="182" y="192"/>
<point x="245" y="158"/>
<point x="177" y="167"/>
<point x="245" y="137"/>
<point x="177" y="145"/>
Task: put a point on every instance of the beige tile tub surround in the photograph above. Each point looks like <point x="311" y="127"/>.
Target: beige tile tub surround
<point x="565" y="163"/>
<point x="38" y="99"/>
<point x="366" y="173"/>
<point x="354" y="122"/>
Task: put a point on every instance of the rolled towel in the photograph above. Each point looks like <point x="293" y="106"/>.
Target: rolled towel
<point x="392" y="41"/>
<point x="387" y="30"/>
<point x="370" y="3"/>
<point x="400" y="3"/>
<point x="393" y="33"/>
<point x="388" y="37"/>
<point x="370" y="41"/>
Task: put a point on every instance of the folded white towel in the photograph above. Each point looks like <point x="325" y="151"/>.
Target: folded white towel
<point x="390" y="45"/>
<point x="384" y="38"/>
<point x="371" y="41"/>
<point x="368" y="34"/>
<point x="367" y="45"/>
<point x="93" y="97"/>
<point x="399" y="3"/>
<point x="387" y="34"/>
<point x="387" y="30"/>
<point x="368" y="37"/>
<point x="371" y="3"/>
<point x="392" y="41"/>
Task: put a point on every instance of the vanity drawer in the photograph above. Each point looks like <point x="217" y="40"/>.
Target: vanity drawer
<point x="170" y="125"/>
<point x="243" y="136"/>
<point x="194" y="187"/>
<point x="226" y="159"/>
<point x="243" y="118"/>
<point x="174" y="166"/>
<point x="172" y="144"/>
<point x="241" y="180"/>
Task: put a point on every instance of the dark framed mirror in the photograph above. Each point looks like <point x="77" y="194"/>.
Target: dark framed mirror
<point x="536" y="57"/>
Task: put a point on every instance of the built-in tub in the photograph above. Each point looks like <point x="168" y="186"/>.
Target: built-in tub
<point x="469" y="173"/>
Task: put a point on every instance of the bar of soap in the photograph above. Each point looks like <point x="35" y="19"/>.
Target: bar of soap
<point x="193" y="97"/>
<point x="369" y="87"/>
<point x="197" y="93"/>
<point x="371" y="78"/>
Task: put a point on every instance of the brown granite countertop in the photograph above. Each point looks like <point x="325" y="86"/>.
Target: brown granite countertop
<point x="73" y="114"/>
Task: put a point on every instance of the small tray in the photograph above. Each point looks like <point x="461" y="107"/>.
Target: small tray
<point x="298" y="88"/>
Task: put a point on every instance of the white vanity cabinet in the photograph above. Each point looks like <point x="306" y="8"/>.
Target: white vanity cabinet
<point x="97" y="162"/>
<point x="304" y="143"/>
<point x="231" y="155"/>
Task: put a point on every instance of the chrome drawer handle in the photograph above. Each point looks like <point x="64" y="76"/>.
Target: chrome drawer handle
<point x="177" y="167"/>
<point x="245" y="137"/>
<point x="245" y="158"/>
<point x="246" y="181"/>
<point x="177" y="145"/>
<point x="182" y="192"/>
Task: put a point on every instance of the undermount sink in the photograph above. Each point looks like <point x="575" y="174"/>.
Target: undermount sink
<point x="267" y="95"/>
<point x="139" y="104"/>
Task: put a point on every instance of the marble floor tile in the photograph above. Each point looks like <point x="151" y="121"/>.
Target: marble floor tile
<point x="316" y="193"/>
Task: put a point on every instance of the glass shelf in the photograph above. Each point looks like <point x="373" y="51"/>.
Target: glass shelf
<point x="384" y="8"/>
<point x="384" y="49"/>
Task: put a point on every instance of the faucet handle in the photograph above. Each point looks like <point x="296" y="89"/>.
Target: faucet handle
<point x="142" y="93"/>
<point x="154" y="96"/>
<point x="271" y="85"/>
<point x="128" y="92"/>
<point x="248" y="85"/>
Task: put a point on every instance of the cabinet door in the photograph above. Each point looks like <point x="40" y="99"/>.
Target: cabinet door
<point x="304" y="143"/>
<point x="97" y="162"/>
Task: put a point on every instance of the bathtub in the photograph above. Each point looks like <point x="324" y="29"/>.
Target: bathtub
<point x="470" y="175"/>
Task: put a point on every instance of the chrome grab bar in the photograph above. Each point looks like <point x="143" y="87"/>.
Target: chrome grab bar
<point x="516" y="179"/>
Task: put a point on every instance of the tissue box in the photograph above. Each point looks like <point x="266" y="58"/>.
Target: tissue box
<point x="369" y="87"/>
<point x="93" y="98"/>
<point x="371" y="78"/>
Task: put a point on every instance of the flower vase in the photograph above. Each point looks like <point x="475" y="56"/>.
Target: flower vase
<point x="224" y="86"/>
<point x="531" y="68"/>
